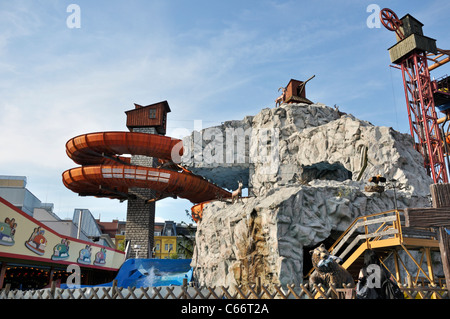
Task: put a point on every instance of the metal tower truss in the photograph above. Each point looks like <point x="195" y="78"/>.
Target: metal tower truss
<point x="410" y="54"/>
<point x="422" y="114"/>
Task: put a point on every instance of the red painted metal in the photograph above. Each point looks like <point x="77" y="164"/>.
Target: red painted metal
<point x="106" y="173"/>
<point x="422" y="114"/>
<point x="390" y="20"/>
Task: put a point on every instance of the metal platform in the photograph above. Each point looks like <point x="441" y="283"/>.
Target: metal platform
<point x="387" y="235"/>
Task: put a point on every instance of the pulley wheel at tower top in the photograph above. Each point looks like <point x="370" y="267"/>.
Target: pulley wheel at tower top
<point x="389" y="19"/>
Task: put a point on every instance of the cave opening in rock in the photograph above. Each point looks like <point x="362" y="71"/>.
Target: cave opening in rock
<point x="325" y="171"/>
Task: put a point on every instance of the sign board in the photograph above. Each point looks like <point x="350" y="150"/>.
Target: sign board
<point x="23" y="237"/>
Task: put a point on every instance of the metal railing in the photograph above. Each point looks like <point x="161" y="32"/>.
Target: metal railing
<point x="389" y="225"/>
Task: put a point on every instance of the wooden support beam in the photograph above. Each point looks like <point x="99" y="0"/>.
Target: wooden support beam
<point x="440" y="194"/>
<point x="427" y="217"/>
<point x="438" y="217"/>
<point x="444" y="247"/>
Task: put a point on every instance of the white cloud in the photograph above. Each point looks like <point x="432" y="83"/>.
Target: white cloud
<point x="58" y="83"/>
<point x="159" y="219"/>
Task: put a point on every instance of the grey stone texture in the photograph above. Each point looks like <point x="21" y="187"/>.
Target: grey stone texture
<point x="301" y="164"/>
<point x="141" y="214"/>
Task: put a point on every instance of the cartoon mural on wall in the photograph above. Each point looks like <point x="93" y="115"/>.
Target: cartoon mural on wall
<point x="61" y="251"/>
<point x="85" y="255"/>
<point x="100" y="257"/>
<point x="43" y="244"/>
<point x="37" y="241"/>
<point x="7" y="231"/>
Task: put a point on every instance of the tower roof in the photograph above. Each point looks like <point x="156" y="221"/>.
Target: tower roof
<point x="153" y="115"/>
<point x="164" y="104"/>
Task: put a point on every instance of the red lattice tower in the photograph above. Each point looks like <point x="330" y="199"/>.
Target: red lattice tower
<point x="418" y="91"/>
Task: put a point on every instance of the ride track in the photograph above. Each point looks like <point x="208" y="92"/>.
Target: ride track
<point x="104" y="172"/>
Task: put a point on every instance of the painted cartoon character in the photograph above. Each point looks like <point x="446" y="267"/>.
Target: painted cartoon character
<point x="61" y="251"/>
<point x="100" y="257"/>
<point x="85" y="255"/>
<point x="7" y="231"/>
<point x="37" y="241"/>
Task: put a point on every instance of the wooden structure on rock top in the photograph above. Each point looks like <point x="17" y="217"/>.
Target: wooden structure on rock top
<point x="295" y="92"/>
<point x="416" y="229"/>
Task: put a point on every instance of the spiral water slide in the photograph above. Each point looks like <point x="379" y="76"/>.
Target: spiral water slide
<point x="105" y="172"/>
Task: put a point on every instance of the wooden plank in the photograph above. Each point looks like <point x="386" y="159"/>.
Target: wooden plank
<point x="427" y="217"/>
<point x="440" y="194"/>
<point x="380" y="234"/>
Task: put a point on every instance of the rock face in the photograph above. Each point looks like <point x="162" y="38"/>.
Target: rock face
<point x="306" y="167"/>
<point x="221" y="153"/>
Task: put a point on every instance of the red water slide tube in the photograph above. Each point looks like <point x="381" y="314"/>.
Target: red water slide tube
<point x="104" y="172"/>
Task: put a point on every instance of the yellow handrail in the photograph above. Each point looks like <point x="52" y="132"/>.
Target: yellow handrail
<point x="396" y="225"/>
<point x="353" y="226"/>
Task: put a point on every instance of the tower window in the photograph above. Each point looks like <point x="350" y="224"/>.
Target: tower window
<point x="152" y="113"/>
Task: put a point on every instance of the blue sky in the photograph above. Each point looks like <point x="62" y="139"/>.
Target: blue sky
<point x="211" y="60"/>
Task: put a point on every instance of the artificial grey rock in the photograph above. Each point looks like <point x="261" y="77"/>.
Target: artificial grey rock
<point x="306" y="167"/>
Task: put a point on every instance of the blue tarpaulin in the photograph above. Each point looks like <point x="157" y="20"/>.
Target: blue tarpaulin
<point x="154" y="272"/>
<point x="151" y="273"/>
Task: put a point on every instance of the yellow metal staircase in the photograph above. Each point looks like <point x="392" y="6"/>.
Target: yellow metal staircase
<point x="386" y="234"/>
